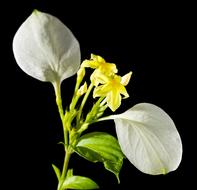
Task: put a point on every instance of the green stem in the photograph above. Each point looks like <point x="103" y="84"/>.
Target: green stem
<point x="65" y="169"/>
<point x="60" y="109"/>
<point x="86" y="96"/>
<point x="66" y="161"/>
<point x="62" y="116"/>
<point x="59" y="99"/>
<point x="74" y="101"/>
<point x="84" y="101"/>
<point x="75" y="97"/>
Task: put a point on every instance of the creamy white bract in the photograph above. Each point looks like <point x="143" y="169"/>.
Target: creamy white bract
<point x="45" y="48"/>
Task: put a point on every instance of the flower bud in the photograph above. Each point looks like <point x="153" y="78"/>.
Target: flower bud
<point x="82" y="90"/>
<point x="80" y="74"/>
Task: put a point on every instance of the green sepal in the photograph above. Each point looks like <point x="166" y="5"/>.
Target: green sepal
<point x="101" y="147"/>
<point x="69" y="173"/>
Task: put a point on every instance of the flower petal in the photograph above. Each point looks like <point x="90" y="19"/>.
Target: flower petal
<point x="149" y="139"/>
<point x="124" y="92"/>
<point x="101" y="91"/>
<point x="113" y="100"/>
<point x="89" y="63"/>
<point x="98" y="78"/>
<point x="45" y="48"/>
<point x="108" y="68"/>
<point x="97" y="58"/>
<point x="126" y="78"/>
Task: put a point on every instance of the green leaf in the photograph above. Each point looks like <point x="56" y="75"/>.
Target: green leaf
<point x="101" y="147"/>
<point x="114" y="167"/>
<point x="57" y="171"/>
<point x="79" y="182"/>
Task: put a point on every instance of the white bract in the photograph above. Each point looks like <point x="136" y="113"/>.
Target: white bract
<point x="46" y="49"/>
<point x="149" y="139"/>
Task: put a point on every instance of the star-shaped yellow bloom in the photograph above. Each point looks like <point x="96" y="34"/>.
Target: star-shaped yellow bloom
<point x="112" y="88"/>
<point x="98" y="63"/>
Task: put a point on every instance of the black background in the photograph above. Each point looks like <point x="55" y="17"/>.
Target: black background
<point x="155" y="41"/>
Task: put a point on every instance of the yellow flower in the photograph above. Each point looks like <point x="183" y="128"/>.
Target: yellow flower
<point x="98" y="63"/>
<point x="112" y="88"/>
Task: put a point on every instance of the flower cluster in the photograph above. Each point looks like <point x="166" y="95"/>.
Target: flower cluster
<point x="107" y="83"/>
